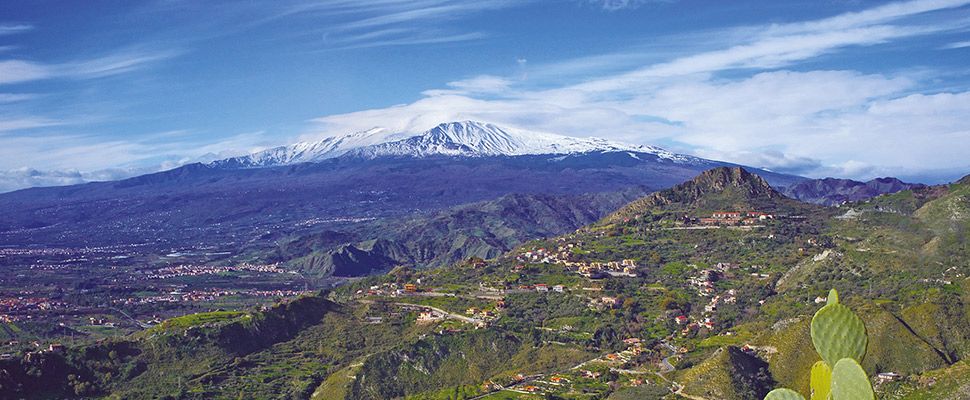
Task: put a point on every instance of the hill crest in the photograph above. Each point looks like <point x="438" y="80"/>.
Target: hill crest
<point x="722" y="188"/>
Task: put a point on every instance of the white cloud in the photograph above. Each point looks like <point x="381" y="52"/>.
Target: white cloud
<point x="842" y="123"/>
<point x="16" y="71"/>
<point x="766" y="109"/>
<point x="771" y="159"/>
<point x="28" y="177"/>
<point x="11" y="124"/>
<point x="875" y="15"/>
<point x="765" y="53"/>
<point x="817" y="123"/>
<point x="79" y="159"/>
<point x="484" y="84"/>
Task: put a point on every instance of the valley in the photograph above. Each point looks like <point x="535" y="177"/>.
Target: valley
<point x="699" y="291"/>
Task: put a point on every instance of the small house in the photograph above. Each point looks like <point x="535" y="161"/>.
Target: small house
<point x="887" y="376"/>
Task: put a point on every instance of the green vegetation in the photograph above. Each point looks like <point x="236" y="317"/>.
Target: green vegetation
<point x="200" y="319"/>
<point x="738" y="308"/>
<point x="839" y="337"/>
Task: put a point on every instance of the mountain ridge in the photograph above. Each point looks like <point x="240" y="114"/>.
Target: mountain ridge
<point x="486" y="230"/>
<point x="835" y="191"/>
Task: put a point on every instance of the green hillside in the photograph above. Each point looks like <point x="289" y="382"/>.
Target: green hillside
<point x="602" y="312"/>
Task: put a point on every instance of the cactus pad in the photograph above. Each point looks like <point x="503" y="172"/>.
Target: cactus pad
<point x="833" y="297"/>
<point x="849" y="381"/>
<point x="784" y="394"/>
<point x="838" y="333"/>
<point x="821" y="380"/>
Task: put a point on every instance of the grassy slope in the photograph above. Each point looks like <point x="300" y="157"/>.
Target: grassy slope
<point x="912" y="237"/>
<point x="728" y="374"/>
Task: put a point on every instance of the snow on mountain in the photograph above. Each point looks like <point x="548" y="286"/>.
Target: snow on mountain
<point x="475" y="139"/>
<point x="311" y="151"/>
<point x="466" y="139"/>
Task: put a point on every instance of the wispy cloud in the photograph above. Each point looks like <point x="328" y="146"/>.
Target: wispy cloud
<point x="614" y="5"/>
<point x="355" y="43"/>
<point x="12" y="124"/>
<point x="16" y="71"/>
<point x="484" y="84"/>
<point x="14" y="97"/>
<point x="780" y="45"/>
<point x="381" y="23"/>
<point x="419" y="13"/>
<point x="745" y="94"/>
<point x="114" y="64"/>
<point x="14" y="29"/>
<point x="957" y="45"/>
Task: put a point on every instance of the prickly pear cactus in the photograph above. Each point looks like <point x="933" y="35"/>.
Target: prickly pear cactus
<point x="840" y="339"/>
<point x="784" y="394"/>
<point x="838" y="333"/>
<point x="821" y="380"/>
<point x="849" y="381"/>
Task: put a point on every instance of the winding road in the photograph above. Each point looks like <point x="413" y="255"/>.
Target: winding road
<point x="667" y="366"/>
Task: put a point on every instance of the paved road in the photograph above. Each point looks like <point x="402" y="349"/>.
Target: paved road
<point x="668" y="367"/>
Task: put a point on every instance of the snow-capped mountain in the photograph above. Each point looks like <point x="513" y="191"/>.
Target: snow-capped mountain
<point x="474" y="139"/>
<point x="465" y="139"/>
<point x="311" y="151"/>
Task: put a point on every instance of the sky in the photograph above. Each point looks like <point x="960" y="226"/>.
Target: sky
<point x="101" y="90"/>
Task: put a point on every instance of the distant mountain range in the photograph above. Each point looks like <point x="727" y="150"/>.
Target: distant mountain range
<point x="340" y="182"/>
<point x="359" y="203"/>
<point x="833" y="191"/>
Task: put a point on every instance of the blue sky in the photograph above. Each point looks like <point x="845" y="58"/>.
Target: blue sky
<point x="100" y="90"/>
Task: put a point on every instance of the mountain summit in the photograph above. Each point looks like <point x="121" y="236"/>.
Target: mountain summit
<point x="462" y="139"/>
<point x="722" y="188"/>
<point x="475" y="139"/>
